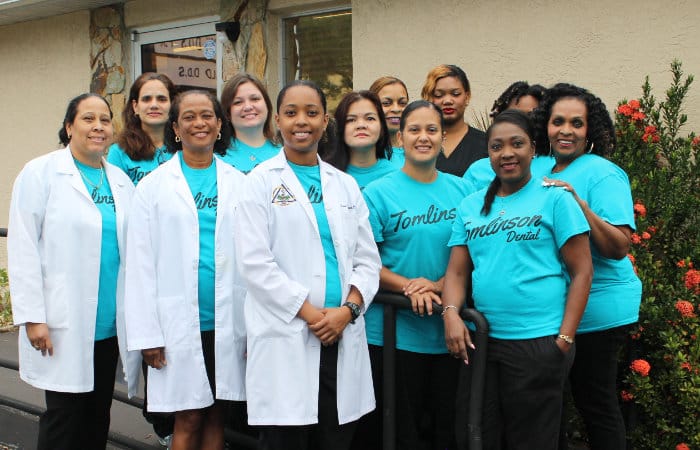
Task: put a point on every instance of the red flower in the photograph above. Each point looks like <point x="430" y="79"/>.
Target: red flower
<point x="638" y="116"/>
<point x="631" y="258"/>
<point x="641" y="367"/>
<point x="650" y="129"/>
<point x="696" y="141"/>
<point x="625" y="110"/>
<point x="682" y="446"/>
<point x="652" y="229"/>
<point x="681" y="263"/>
<point x="692" y="280"/>
<point x="634" y="104"/>
<point x="636" y="239"/>
<point x="685" y="308"/>
<point x="626" y="396"/>
<point x="686" y="365"/>
<point x="646" y="236"/>
<point x="640" y="209"/>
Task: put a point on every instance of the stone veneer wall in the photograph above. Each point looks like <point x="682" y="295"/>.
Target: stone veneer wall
<point x="249" y="52"/>
<point x="107" y="37"/>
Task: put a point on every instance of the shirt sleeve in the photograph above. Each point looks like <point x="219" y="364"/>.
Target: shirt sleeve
<point x="568" y="219"/>
<point x="611" y="199"/>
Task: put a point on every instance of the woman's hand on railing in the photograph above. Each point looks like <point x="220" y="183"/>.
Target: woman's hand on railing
<point x="457" y="336"/>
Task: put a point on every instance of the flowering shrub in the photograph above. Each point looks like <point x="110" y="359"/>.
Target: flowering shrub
<point x="662" y="384"/>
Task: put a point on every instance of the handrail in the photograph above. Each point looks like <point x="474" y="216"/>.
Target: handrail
<point x="391" y="301"/>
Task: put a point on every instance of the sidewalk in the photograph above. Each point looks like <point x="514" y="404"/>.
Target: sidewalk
<point x="18" y="430"/>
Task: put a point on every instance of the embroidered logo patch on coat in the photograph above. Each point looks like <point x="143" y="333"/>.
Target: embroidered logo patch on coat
<point x="282" y="196"/>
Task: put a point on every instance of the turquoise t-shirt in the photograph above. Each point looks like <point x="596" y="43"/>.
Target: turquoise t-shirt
<point x="310" y="179"/>
<point x="98" y="187"/>
<point x="616" y="291"/>
<point x="202" y="183"/>
<point x="244" y="157"/>
<point x="412" y="222"/>
<point x="365" y="175"/>
<point x="136" y="170"/>
<point x="519" y="282"/>
<point x="398" y="157"/>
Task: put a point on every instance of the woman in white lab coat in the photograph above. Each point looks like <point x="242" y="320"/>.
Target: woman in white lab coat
<point x="183" y="295"/>
<point x="65" y="259"/>
<point x="311" y="268"/>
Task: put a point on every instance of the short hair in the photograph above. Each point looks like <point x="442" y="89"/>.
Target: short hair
<point x="229" y="92"/>
<point x="515" y="92"/>
<point x="340" y="156"/>
<point x="135" y="142"/>
<point x="220" y="145"/>
<point x="440" y="72"/>
<point x="382" y="82"/>
<point x="600" y="132"/>
<point x="418" y="104"/>
<point x="72" y="111"/>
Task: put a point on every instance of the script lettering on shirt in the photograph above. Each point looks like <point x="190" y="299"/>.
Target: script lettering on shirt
<point x="204" y="202"/>
<point x="433" y="215"/>
<point x="315" y="194"/>
<point x="136" y="174"/>
<point x="509" y="226"/>
<point x="101" y="199"/>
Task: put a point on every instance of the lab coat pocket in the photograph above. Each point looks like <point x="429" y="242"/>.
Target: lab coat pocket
<point x="55" y="299"/>
<point x="175" y="318"/>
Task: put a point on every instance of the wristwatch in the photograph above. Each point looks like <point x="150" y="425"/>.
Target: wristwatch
<point x="354" y="310"/>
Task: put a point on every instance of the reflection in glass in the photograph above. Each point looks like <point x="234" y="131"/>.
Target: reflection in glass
<point x="190" y="62"/>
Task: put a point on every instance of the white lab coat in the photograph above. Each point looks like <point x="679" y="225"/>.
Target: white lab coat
<point x="162" y="310"/>
<point x="282" y="261"/>
<point x="53" y="250"/>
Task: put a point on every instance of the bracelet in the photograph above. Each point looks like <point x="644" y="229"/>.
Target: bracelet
<point x="447" y="308"/>
<point x="568" y="339"/>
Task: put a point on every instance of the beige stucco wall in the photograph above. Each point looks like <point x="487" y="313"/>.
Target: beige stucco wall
<point x="605" y="46"/>
<point x="44" y="64"/>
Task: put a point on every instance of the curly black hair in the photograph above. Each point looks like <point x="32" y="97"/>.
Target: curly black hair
<point x="515" y="92"/>
<point x="601" y="131"/>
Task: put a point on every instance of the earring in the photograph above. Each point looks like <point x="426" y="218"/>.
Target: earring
<point x="218" y="138"/>
<point x="590" y="150"/>
<point x="70" y="136"/>
<point x="551" y="150"/>
<point x="177" y="138"/>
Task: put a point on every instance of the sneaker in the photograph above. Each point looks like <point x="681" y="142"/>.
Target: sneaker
<point x="166" y="441"/>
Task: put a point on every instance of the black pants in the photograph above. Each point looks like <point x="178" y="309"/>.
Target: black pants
<point x="81" y="420"/>
<point x="327" y="434"/>
<point x="163" y="423"/>
<point x="594" y="386"/>
<point x="370" y="426"/>
<point x="524" y="393"/>
<point x="426" y="387"/>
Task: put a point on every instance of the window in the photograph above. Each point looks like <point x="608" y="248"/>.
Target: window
<point x="318" y="47"/>
<point x="186" y="52"/>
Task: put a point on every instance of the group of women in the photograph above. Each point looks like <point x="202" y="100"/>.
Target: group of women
<point x="244" y="267"/>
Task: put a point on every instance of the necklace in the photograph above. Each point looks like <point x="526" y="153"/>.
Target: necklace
<point x="88" y="181"/>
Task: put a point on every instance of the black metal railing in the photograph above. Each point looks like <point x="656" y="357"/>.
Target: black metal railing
<point x="391" y="302"/>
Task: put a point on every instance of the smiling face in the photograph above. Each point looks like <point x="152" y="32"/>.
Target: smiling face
<point x="197" y="124"/>
<point x="153" y="104"/>
<point x="248" y="109"/>
<point x="301" y="121"/>
<point x="510" y="152"/>
<point x="91" y="131"/>
<point x="362" y="127"/>
<point x="450" y="96"/>
<point x="567" y="128"/>
<point x="422" y="137"/>
<point x="394" y="99"/>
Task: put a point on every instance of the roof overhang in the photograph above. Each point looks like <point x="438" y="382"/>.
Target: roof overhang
<point x="14" y="11"/>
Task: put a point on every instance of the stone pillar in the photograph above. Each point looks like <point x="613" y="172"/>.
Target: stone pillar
<point x="249" y="52"/>
<point x="107" y="30"/>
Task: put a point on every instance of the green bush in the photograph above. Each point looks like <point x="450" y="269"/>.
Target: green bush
<point x="662" y="384"/>
<point x="5" y="307"/>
